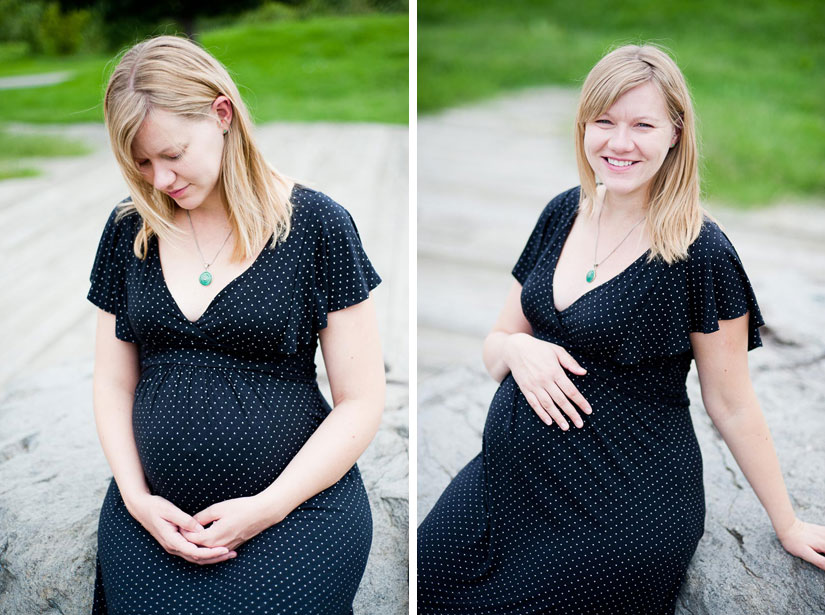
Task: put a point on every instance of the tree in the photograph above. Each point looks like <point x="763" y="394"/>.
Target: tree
<point x="127" y="20"/>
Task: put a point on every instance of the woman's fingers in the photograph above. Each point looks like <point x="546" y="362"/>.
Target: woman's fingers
<point x="216" y="560"/>
<point x="568" y="362"/>
<point x="572" y="393"/>
<point x="175" y="515"/>
<point x="815" y="558"/>
<point x="551" y="409"/>
<point x="563" y="403"/>
<point x="533" y="401"/>
<point x="178" y="545"/>
<point x="548" y="411"/>
<point x="543" y="381"/>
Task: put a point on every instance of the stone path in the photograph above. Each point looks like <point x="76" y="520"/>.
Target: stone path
<point x="484" y="174"/>
<point x="52" y="471"/>
<point x="34" y="81"/>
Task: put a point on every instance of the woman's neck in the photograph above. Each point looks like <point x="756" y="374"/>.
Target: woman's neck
<point x="621" y="209"/>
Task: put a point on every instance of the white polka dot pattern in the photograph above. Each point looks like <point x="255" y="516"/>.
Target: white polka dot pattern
<point x="603" y="519"/>
<point x="222" y="405"/>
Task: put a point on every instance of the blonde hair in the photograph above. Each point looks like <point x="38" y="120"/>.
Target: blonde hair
<point x="176" y="75"/>
<point x="674" y="214"/>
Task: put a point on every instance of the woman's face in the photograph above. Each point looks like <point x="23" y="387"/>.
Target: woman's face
<point x="181" y="156"/>
<point x="627" y="144"/>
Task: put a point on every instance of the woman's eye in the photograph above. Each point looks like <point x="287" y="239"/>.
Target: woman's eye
<point x="602" y="121"/>
<point x="175" y="157"/>
<point x="143" y="163"/>
<point x="645" y="125"/>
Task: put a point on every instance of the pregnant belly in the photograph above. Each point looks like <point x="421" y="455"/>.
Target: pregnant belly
<point x="205" y="435"/>
<point x="630" y="453"/>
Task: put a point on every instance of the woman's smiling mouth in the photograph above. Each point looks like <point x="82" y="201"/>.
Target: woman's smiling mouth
<point x="617" y="163"/>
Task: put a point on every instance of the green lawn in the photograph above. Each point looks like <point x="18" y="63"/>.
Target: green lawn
<point x="16" y="148"/>
<point x="350" y="68"/>
<point x="757" y="72"/>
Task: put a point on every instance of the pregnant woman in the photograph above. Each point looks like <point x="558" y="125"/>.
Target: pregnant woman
<point x="235" y="488"/>
<point x="587" y="497"/>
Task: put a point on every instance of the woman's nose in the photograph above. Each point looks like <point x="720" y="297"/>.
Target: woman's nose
<point x="620" y="139"/>
<point x="163" y="178"/>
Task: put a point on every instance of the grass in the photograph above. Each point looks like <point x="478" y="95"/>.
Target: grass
<point x="15" y="148"/>
<point x="350" y="68"/>
<point x="756" y="70"/>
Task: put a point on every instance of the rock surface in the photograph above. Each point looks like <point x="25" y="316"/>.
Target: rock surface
<point x="484" y="174"/>
<point x="53" y="474"/>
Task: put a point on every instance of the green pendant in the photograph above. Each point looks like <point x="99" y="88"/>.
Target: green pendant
<point x="206" y="278"/>
<point x="591" y="275"/>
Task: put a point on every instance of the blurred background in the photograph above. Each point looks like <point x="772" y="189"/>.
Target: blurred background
<point x="756" y="70"/>
<point x="300" y="60"/>
<point x="327" y="83"/>
<point x="498" y="85"/>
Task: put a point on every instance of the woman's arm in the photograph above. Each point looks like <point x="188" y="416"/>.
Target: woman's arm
<point x="497" y="345"/>
<point x="116" y="374"/>
<point x="537" y="366"/>
<point x="355" y="367"/>
<point x="730" y="401"/>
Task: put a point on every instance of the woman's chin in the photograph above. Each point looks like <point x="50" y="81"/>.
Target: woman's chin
<point x="620" y="187"/>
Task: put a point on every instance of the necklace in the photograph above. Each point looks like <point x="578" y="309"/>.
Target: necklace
<point x="205" y="278"/>
<point x="591" y="275"/>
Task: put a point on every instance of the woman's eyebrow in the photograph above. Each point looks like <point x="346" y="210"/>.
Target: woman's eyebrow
<point x="167" y="151"/>
<point x="649" y="118"/>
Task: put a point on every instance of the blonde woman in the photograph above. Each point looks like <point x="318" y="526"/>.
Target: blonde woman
<point x="235" y="488"/>
<point x="587" y="496"/>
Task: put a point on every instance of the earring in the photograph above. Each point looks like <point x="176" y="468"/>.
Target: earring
<point x="226" y="132"/>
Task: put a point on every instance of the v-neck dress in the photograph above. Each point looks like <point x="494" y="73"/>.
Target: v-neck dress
<point x="221" y="407"/>
<point x="602" y="519"/>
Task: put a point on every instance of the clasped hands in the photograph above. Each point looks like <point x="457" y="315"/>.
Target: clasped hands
<point x="538" y="367"/>
<point x="233" y="522"/>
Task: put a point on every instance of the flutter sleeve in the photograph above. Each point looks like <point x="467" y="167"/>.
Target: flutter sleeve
<point x="344" y="274"/>
<point x="108" y="276"/>
<point x="693" y="295"/>
<point x="718" y="287"/>
<point x="543" y="233"/>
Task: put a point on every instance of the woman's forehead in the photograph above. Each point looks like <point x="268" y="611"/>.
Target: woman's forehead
<point x="640" y="102"/>
<point x="162" y="130"/>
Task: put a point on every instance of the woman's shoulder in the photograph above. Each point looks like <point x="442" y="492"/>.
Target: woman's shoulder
<point x="711" y="243"/>
<point x="563" y="202"/>
<point x="123" y="221"/>
<point x="315" y="210"/>
<point x="559" y="208"/>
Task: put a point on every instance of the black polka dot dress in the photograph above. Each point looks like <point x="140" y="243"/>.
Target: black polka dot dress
<point x="222" y="405"/>
<point x="602" y="519"/>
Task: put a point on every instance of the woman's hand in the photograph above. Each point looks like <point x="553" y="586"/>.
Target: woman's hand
<point x="166" y="523"/>
<point x="804" y="540"/>
<point x="538" y="369"/>
<point x="233" y="522"/>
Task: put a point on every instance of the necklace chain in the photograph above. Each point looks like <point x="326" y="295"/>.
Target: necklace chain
<point x="591" y="275"/>
<point x="205" y="278"/>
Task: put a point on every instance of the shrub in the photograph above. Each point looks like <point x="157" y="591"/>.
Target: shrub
<point x="62" y="33"/>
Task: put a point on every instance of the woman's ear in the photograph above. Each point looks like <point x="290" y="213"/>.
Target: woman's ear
<point x="677" y="132"/>
<point x="222" y="108"/>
